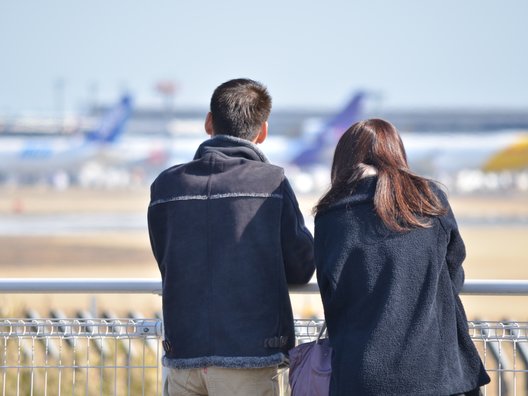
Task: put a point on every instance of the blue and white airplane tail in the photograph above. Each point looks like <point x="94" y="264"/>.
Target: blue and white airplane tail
<point x="113" y="123"/>
<point x="330" y="133"/>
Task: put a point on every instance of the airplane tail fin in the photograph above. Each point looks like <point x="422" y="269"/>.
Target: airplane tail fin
<point x="332" y="130"/>
<point x="349" y="115"/>
<point x="113" y="123"/>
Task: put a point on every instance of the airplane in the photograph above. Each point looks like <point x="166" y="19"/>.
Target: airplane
<point x="326" y="139"/>
<point x="465" y="161"/>
<point x="307" y="160"/>
<point x="34" y="158"/>
<point x="470" y="161"/>
<point x="448" y="152"/>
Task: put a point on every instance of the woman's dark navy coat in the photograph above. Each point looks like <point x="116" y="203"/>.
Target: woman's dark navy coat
<point x="391" y="302"/>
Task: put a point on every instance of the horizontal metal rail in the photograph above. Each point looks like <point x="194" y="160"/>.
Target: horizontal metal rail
<point x="153" y="286"/>
<point x="80" y="285"/>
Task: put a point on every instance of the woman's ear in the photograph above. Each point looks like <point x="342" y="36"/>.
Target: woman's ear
<point x="263" y="134"/>
<point x="209" y="124"/>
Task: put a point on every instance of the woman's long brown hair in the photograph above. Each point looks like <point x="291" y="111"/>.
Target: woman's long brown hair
<point x="402" y="199"/>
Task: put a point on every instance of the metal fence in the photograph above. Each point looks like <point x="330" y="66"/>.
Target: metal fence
<point x="80" y="357"/>
<point x="503" y="348"/>
<point x="122" y="356"/>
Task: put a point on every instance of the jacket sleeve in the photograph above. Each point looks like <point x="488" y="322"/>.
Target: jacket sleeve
<point x="456" y="250"/>
<point x="296" y="240"/>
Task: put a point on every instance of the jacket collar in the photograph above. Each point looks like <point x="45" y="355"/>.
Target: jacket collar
<point x="363" y="192"/>
<point x="232" y="147"/>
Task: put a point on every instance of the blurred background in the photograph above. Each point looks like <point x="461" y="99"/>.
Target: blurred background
<point x="97" y="98"/>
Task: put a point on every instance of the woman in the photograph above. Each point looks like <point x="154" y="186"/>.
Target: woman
<point x="389" y="266"/>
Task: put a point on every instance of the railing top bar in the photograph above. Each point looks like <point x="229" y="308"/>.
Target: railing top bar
<point x="471" y="287"/>
<point x="495" y="287"/>
<point x="80" y="285"/>
<point x="153" y="286"/>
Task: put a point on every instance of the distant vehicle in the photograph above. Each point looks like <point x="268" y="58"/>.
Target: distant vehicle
<point x="465" y="161"/>
<point x="29" y="159"/>
<point x="309" y="158"/>
<point x="326" y="139"/>
<point x="447" y="152"/>
<point x="471" y="161"/>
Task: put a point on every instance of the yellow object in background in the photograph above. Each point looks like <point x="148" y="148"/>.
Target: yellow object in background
<point x="513" y="157"/>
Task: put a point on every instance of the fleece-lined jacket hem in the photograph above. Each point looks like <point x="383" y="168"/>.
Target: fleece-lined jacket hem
<point x="226" y="362"/>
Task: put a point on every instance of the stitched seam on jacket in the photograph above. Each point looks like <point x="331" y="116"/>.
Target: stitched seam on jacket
<point x="214" y="196"/>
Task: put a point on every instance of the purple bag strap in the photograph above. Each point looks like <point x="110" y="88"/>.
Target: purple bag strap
<point x="321" y="332"/>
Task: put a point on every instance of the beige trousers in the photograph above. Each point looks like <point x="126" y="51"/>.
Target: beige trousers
<point x="218" y="381"/>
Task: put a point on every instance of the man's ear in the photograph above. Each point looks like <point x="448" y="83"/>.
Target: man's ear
<point x="263" y="134"/>
<point x="209" y="124"/>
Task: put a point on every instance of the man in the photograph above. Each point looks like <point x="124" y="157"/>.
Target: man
<point x="228" y="237"/>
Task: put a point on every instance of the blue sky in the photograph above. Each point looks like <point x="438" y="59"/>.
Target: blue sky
<point x="448" y="53"/>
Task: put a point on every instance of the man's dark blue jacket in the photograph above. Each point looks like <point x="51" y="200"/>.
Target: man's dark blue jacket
<point x="391" y="303"/>
<point x="228" y="237"/>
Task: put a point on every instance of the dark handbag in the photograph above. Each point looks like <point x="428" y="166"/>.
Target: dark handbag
<point x="310" y="367"/>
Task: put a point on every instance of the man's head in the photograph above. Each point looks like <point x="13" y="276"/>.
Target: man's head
<point x="240" y="108"/>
